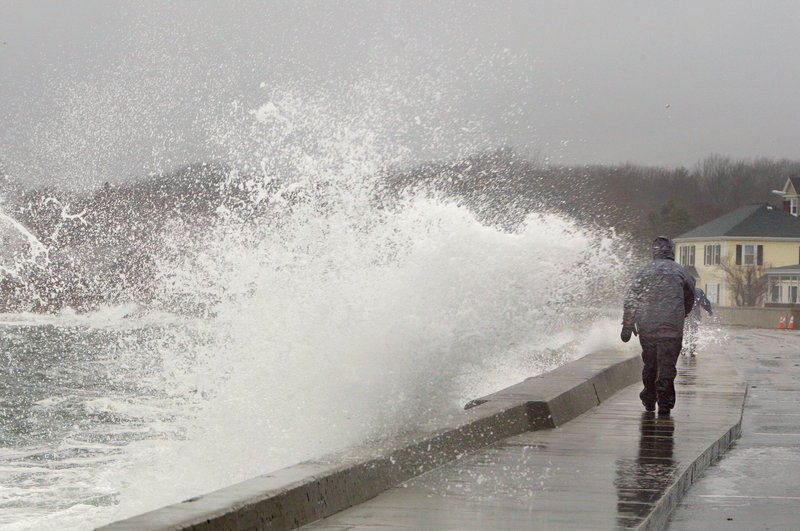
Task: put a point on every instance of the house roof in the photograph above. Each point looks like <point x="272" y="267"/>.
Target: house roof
<point x="794" y="268"/>
<point x="755" y="220"/>
<point x="795" y="180"/>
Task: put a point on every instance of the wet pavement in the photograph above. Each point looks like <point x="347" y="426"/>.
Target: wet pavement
<point x="615" y="466"/>
<point x="757" y="484"/>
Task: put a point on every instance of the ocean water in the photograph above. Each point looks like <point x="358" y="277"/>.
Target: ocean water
<point x="307" y="315"/>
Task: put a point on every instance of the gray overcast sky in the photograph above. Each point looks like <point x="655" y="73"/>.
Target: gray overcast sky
<point x="99" y="90"/>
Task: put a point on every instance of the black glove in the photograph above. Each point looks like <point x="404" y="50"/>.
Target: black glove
<point x="627" y="330"/>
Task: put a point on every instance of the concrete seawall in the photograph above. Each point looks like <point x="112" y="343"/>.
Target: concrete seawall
<point x="613" y="467"/>
<point x="755" y="317"/>
<point x="311" y="490"/>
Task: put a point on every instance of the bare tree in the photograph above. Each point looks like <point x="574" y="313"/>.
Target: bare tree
<point x="747" y="282"/>
<point x="727" y="183"/>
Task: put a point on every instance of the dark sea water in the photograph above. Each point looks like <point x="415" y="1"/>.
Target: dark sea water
<point x="75" y="401"/>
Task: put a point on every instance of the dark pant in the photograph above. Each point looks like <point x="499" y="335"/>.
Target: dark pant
<point x="658" y="375"/>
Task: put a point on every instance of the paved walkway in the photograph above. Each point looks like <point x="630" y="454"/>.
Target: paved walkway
<point x="613" y="467"/>
<point x="757" y="484"/>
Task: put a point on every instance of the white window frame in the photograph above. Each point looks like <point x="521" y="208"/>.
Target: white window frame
<point x="785" y="286"/>
<point x="712" y="292"/>
<point x="711" y="254"/>
<point x="793" y="205"/>
<point x="687" y="255"/>
<point x="753" y="248"/>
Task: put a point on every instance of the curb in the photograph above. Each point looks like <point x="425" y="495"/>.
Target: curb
<point x="303" y="493"/>
<point x="662" y="511"/>
<point x="660" y="515"/>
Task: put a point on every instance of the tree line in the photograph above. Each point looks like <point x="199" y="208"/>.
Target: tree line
<point x="101" y="242"/>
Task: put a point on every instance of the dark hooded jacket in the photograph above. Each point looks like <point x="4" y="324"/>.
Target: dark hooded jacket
<point x="660" y="296"/>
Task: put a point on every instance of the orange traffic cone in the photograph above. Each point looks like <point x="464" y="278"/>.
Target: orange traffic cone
<point x="782" y="323"/>
<point x="791" y="323"/>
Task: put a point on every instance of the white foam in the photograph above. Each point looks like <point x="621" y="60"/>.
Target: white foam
<point x="331" y="319"/>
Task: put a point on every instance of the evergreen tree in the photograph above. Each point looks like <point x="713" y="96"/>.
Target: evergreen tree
<point x="671" y="220"/>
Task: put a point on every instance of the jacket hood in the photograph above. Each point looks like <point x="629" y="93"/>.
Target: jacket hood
<point x="663" y="248"/>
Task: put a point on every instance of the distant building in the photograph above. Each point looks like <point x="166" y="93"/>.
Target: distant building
<point x="756" y="238"/>
<point x="790" y="194"/>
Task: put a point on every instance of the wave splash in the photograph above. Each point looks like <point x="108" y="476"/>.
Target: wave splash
<point x="317" y="311"/>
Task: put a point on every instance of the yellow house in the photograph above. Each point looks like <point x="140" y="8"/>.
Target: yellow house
<point x="753" y="243"/>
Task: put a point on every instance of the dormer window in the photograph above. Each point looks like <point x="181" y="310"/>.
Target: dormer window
<point x="790" y="194"/>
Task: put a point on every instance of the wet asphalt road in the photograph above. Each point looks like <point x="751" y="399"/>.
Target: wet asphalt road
<point x="756" y="485"/>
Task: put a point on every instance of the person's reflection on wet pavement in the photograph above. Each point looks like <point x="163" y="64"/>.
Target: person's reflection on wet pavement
<point x="642" y="481"/>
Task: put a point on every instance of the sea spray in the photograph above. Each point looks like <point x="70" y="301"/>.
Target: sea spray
<point x="308" y="310"/>
<point x="331" y="333"/>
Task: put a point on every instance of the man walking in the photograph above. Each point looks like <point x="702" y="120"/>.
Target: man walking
<point x="660" y="297"/>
